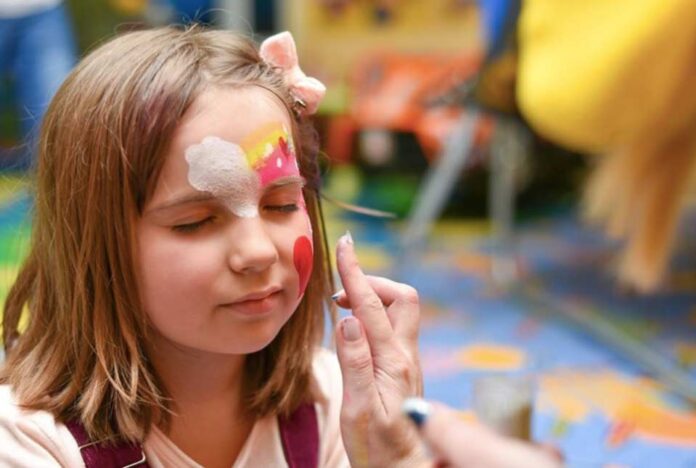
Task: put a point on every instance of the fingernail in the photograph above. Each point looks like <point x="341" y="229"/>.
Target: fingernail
<point x="351" y="329"/>
<point x="417" y="409"/>
<point x="348" y="237"/>
<point x="337" y="295"/>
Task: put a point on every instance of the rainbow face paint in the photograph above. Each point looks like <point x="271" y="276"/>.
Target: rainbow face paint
<point x="238" y="174"/>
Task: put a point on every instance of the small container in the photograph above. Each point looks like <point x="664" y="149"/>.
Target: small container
<point x="504" y="403"/>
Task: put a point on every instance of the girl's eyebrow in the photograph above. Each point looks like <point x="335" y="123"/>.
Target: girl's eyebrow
<point x="285" y="181"/>
<point x="198" y="197"/>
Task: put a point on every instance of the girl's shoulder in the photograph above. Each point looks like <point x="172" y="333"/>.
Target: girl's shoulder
<point x="33" y="438"/>
<point x="327" y="387"/>
<point x="326" y="376"/>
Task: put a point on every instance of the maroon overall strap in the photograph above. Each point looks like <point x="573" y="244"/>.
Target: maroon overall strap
<point x="299" y="434"/>
<point x="95" y="455"/>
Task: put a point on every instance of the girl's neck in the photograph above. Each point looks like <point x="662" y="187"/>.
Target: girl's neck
<point x="209" y="423"/>
<point x="193" y="375"/>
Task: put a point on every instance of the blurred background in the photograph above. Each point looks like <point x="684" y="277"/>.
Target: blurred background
<point x="527" y="165"/>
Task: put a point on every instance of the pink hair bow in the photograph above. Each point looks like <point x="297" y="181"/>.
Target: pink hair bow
<point x="280" y="51"/>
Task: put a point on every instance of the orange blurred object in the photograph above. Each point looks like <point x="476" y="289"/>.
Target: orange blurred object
<point x="397" y="92"/>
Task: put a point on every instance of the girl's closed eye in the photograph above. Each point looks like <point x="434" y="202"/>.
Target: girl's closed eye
<point x="194" y="226"/>
<point x="282" y="200"/>
<point x="282" y="208"/>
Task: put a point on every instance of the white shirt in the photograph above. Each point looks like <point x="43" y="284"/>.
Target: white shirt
<point x="34" y="439"/>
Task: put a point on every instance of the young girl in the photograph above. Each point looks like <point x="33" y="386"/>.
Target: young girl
<point x="175" y="288"/>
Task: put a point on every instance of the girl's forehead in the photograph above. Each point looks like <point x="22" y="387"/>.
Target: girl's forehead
<point x="234" y="114"/>
<point x="251" y="119"/>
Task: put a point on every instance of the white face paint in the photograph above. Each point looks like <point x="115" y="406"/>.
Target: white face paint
<point x="221" y="168"/>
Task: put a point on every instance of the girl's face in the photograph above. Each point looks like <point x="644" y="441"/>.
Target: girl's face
<point x="225" y="248"/>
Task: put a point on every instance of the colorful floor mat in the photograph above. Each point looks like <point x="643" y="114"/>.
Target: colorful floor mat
<point x="592" y="399"/>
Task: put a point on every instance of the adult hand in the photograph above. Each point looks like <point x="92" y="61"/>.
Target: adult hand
<point x="457" y="443"/>
<point x="378" y="352"/>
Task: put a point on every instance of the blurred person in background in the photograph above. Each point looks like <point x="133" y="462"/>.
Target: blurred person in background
<point x="37" y="50"/>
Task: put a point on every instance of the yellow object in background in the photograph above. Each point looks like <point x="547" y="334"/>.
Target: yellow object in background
<point x="129" y="7"/>
<point x="596" y="73"/>
<point x="618" y="77"/>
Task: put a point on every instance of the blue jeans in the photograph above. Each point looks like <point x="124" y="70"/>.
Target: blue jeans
<point x="37" y="51"/>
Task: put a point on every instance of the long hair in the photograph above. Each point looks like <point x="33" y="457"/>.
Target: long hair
<point x="102" y="146"/>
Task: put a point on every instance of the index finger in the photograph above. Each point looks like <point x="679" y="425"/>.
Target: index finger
<point x="366" y="304"/>
<point x="400" y="301"/>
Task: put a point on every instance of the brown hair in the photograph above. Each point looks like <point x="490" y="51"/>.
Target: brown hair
<point x="102" y="146"/>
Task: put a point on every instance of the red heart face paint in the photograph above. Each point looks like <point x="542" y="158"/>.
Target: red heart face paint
<point x="303" y="256"/>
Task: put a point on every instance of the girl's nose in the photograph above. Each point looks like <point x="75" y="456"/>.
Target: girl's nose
<point x="252" y="250"/>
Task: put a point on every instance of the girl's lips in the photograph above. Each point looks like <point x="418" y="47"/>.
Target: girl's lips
<point x="255" y="303"/>
<point x="254" y="296"/>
